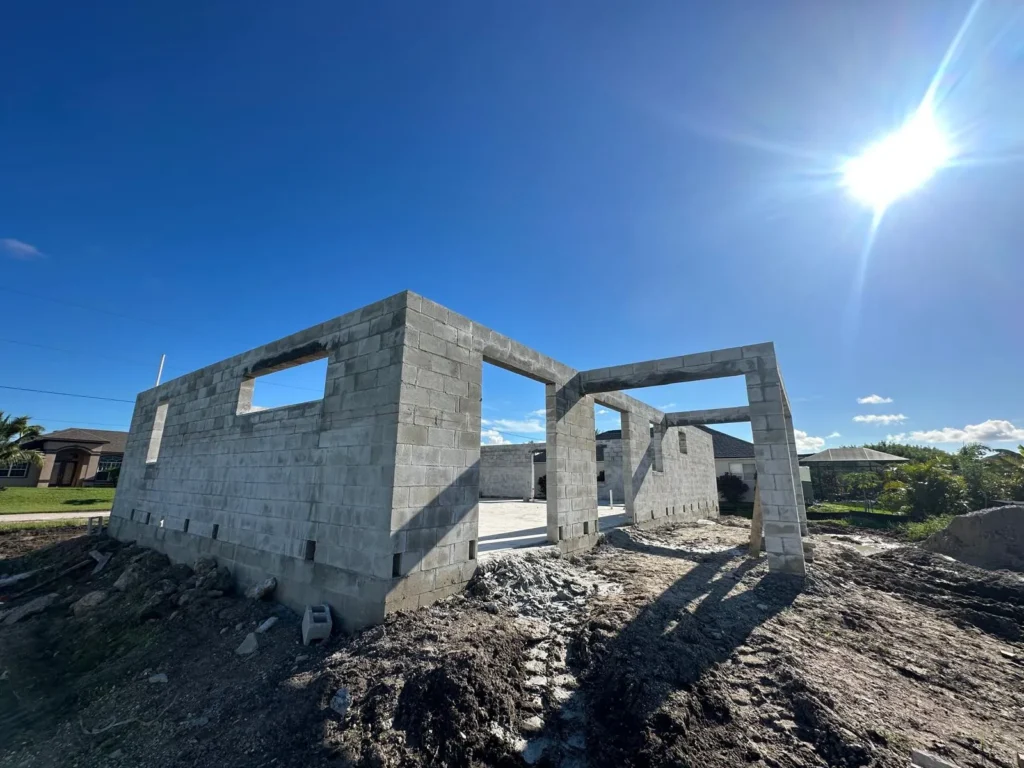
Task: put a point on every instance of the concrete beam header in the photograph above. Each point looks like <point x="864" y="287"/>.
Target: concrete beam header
<point x="709" y="416"/>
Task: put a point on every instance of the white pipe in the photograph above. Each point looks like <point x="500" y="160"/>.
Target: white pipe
<point x="160" y="372"/>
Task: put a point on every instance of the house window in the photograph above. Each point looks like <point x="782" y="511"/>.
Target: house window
<point x="682" y="441"/>
<point x="600" y="453"/>
<point x="14" y="470"/>
<point x="736" y="469"/>
<point x="109" y="462"/>
<point x="600" y="476"/>
<point x="749" y="470"/>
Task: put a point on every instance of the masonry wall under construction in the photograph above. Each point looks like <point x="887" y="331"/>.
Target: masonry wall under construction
<point x="367" y="499"/>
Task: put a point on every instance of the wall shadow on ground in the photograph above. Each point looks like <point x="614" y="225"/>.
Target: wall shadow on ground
<point x="663" y="652"/>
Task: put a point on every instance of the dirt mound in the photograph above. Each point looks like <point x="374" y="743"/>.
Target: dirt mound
<point x="966" y="595"/>
<point x="989" y="538"/>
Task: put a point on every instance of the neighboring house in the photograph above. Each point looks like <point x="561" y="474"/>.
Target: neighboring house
<point x="70" y="457"/>
<point x="828" y="467"/>
<point x="735" y="457"/>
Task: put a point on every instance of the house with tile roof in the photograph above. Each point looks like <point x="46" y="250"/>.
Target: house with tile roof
<point x="71" y="457"/>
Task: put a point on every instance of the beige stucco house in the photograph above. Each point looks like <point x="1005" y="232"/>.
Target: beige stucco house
<point x="70" y="457"/>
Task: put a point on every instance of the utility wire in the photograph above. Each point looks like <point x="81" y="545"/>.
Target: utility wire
<point x="139" y="362"/>
<point x="79" y="423"/>
<point x="66" y="394"/>
<point x="531" y="438"/>
<point x="90" y="308"/>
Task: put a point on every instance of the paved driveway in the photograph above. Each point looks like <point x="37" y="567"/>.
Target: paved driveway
<point x="32" y="517"/>
<point x="510" y="524"/>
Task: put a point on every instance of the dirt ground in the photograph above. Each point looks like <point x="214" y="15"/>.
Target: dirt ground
<point x="665" y="647"/>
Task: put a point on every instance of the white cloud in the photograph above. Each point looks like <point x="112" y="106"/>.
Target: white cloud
<point x="897" y="438"/>
<point x="874" y="400"/>
<point x="539" y="413"/>
<point x="880" y="418"/>
<point x="531" y="426"/>
<point x="16" y="249"/>
<point x="833" y="436"/>
<point x="666" y="406"/>
<point x="492" y="437"/>
<point x="807" y="444"/>
<point x="602" y="412"/>
<point x="991" y="431"/>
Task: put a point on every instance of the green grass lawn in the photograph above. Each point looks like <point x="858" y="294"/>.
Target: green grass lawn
<point x="23" y="500"/>
<point x="842" y="507"/>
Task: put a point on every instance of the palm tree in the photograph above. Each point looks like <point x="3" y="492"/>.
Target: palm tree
<point x="14" y="430"/>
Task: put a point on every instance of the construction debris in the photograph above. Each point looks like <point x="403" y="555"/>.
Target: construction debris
<point x="101" y="560"/>
<point x="316" y="623"/>
<point x="31" y="608"/>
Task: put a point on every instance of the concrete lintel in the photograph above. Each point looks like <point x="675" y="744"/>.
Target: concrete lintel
<point x="655" y="373"/>
<point x="709" y="416"/>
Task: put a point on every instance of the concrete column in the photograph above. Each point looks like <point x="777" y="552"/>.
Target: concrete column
<point x="795" y="462"/>
<point x="46" y="471"/>
<point x="571" y="467"/>
<point x="631" y="423"/>
<point x="435" y="510"/>
<point x="778" y="480"/>
<point x="529" y="475"/>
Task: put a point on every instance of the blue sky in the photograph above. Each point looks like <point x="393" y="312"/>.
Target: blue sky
<point x="605" y="182"/>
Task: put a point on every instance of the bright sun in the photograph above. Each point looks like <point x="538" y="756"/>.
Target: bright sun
<point x="899" y="163"/>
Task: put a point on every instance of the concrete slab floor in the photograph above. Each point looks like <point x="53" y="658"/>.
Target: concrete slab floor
<point x="512" y="524"/>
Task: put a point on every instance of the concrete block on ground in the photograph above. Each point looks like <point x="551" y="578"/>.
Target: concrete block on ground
<point x="316" y="624"/>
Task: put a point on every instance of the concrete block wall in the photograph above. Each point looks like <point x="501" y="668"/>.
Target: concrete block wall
<point x="667" y="485"/>
<point x="572" y="468"/>
<point x="366" y="499"/>
<point x="507" y="471"/>
<point x="612" y="465"/>
<point x="253" y="488"/>
<point x="435" y="514"/>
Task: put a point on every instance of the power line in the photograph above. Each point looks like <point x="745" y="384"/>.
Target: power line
<point x="66" y="394"/>
<point x="138" y="362"/>
<point x="78" y="305"/>
<point x="80" y="423"/>
<point x="76" y="352"/>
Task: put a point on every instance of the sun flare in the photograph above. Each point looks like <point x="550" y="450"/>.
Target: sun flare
<point x="898" y="164"/>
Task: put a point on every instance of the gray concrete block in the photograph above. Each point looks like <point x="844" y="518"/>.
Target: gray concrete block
<point x="316" y="624"/>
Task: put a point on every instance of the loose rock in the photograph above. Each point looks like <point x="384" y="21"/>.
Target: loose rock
<point x="924" y="759"/>
<point x="31" y="608"/>
<point x="341" y="701"/>
<point x="262" y="589"/>
<point x="129" y="577"/>
<point x="204" y="565"/>
<point x="88" y="603"/>
<point x="158" y="678"/>
<point x="249" y="645"/>
<point x="266" y="625"/>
